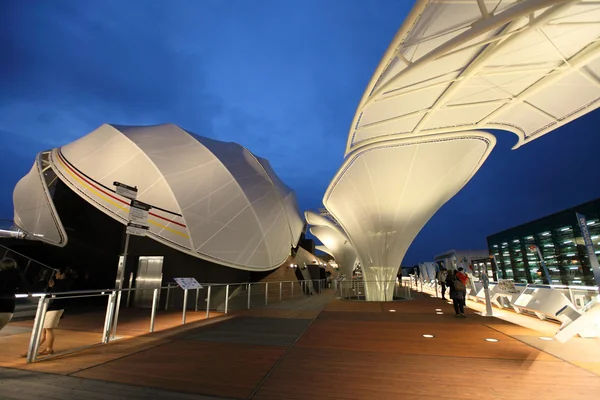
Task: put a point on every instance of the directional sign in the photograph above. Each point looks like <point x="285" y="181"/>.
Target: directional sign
<point x="136" y="229"/>
<point x="138" y="212"/>
<point x="188" y="283"/>
<point x="127" y="191"/>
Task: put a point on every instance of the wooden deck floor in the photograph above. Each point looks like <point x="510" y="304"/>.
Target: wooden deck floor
<point x="321" y="348"/>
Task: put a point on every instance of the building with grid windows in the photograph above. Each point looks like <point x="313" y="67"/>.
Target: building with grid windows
<point x="559" y="240"/>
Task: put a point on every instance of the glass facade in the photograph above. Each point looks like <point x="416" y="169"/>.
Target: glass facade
<point x="559" y="240"/>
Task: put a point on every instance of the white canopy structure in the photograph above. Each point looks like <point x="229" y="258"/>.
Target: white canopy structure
<point x="334" y="240"/>
<point x="211" y="199"/>
<point x="454" y="70"/>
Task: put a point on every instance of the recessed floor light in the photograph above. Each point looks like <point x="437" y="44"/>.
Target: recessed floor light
<point x="438" y="309"/>
<point x="428" y="336"/>
<point x="392" y="310"/>
<point x="439" y="313"/>
<point x="491" y="340"/>
<point x="546" y="338"/>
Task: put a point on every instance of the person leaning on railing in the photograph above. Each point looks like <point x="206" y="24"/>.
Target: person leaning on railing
<point x="59" y="283"/>
<point x="9" y="283"/>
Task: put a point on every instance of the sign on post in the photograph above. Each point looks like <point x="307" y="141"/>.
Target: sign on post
<point x="138" y="212"/>
<point x="126" y="191"/>
<point x="188" y="283"/>
<point x="136" y="229"/>
<point x="589" y="246"/>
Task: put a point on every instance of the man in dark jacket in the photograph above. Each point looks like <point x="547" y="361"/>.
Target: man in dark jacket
<point x="9" y="283"/>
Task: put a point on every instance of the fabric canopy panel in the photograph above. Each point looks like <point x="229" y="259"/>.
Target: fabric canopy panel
<point x="34" y="211"/>
<point x="381" y="215"/>
<point x="211" y="199"/>
<point x="335" y="240"/>
<point x="527" y="67"/>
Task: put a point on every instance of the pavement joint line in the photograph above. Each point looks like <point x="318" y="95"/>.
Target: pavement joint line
<point x="283" y="356"/>
<point x="162" y="342"/>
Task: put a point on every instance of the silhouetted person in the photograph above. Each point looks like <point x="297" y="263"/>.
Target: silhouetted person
<point x="9" y="283"/>
<point x="458" y="292"/>
<point x="442" y="275"/>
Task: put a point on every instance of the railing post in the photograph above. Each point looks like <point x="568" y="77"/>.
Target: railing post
<point x="292" y="285"/>
<point x="197" y="298"/>
<point x="249" y="294"/>
<point x="38" y="324"/>
<point x="208" y="303"/>
<point x="572" y="297"/>
<point x="168" y="295"/>
<point x="154" y="307"/>
<point x="280" y="290"/>
<point x="129" y="291"/>
<point x="185" y="297"/>
<point x="108" y="317"/>
<point x="226" y="298"/>
<point x="266" y="293"/>
<point x="116" y="314"/>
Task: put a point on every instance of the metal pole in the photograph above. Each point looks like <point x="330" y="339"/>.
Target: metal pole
<point x="40" y="327"/>
<point x="266" y="293"/>
<point x="39" y="317"/>
<point x="226" y="298"/>
<point x="168" y="295"/>
<point x="154" y="307"/>
<point x="546" y="273"/>
<point x="571" y="296"/>
<point x="197" y="297"/>
<point x="292" y="285"/>
<point x="120" y="286"/>
<point x="130" y="286"/>
<point x="280" y="289"/>
<point x="208" y="303"/>
<point x="108" y="318"/>
<point x="489" y="312"/>
<point x="249" y="294"/>
<point x="185" y="297"/>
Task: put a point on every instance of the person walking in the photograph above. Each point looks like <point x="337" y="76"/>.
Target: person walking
<point x="442" y="275"/>
<point x="458" y="292"/>
<point x="9" y="283"/>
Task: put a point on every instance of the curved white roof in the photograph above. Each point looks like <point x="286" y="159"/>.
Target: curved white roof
<point x="211" y="199"/>
<point x="527" y="67"/>
<point x="385" y="192"/>
<point x="335" y="241"/>
<point x="34" y="210"/>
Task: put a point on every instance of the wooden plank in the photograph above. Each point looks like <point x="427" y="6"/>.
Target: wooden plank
<point x="223" y="369"/>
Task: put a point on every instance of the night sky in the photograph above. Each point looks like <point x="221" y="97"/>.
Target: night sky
<point x="281" y="77"/>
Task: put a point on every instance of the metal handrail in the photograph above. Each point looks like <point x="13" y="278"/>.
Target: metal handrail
<point x="112" y="315"/>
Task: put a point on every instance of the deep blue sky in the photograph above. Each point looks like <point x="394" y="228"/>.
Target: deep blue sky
<point x="281" y="77"/>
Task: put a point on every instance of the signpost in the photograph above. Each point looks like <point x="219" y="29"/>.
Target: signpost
<point x="191" y="283"/>
<point x="137" y="226"/>
<point x="589" y="246"/>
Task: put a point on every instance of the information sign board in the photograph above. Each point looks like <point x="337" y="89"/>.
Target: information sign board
<point x="136" y="229"/>
<point x="126" y="191"/>
<point x="138" y="212"/>
<point x="188" y="283"/>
